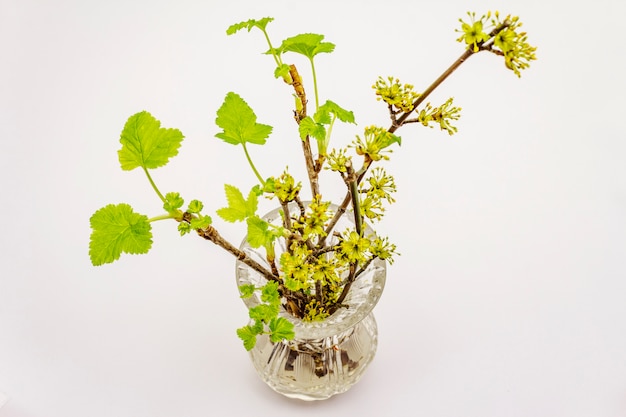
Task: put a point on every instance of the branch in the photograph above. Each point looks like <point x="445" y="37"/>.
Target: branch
<point x="351" y="181"/>
<point x="482" y="46"/>
<point x="211" y="234"/>
<point x="299" y="114"/>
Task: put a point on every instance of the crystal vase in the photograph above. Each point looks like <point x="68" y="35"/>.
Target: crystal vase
<point x="325" y="357"/>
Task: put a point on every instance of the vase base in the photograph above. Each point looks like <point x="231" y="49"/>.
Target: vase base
<point x="312" y="370"/>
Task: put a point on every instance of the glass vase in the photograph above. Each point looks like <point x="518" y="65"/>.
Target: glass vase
<point x="325" y="357"/>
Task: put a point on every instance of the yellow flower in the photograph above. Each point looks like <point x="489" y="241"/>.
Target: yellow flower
<point x="473" y="33"/>
<point x="353" y="247"/>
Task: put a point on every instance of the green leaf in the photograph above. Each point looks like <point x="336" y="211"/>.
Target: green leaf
<point x="270" y="294"/>
<point x="309" y="127"/>
<point x="248" y="335"/>
<point x="238" y="209"/>
<point x="247" y="290"/>
<point x="390" y="139"/>
<point x="259" y="233"/>
<point x="307" y="44"/>
<point x="238" y="122"/>
<point x="258" y="190"/>
<point x="258" y="327"/>
<point x="249" y="24"/>
<point x="264" y="312"/>
<point x="322" y="115"/>
<point x="117" y="229"/>
<point x="281" y="71"/>
<point x="173" y="201"/>
<point x="184" y="228"/>
<point x="293" y="284"/>
<point x="195" y="206"/>
<point x="200" y="222"/>
<point x="281" y="328"/>
<point x="146" y="144"/>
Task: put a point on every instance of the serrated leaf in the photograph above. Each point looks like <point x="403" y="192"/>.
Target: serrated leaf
<point x="264" y="312"/>
<point x="390" y="139"/>
<point x="117" y="229"/>
<point x="258" y="190"/>
<point x="281" y="328"/>
<point x="146" y="144"/>
<point x="184" y="228"/>
<point x="238" y="122"/>
<point x="248" y="335"/>
<point x="200" y="222"/>
<point x="307" y="44"/>
<point x="257" y="327"/>
<point x="173" y="201"/>
<point x="322" y="115"/>
<point x="309" y="127"/>
<point x="238" y="208"/>
<point x="259" y="233"/>
<point x="249" y="24"/>
<point x="195" y="206"/>
<point x="247" y="290"/>
<point x="293" y="284"/>
<point x="281" y="71"/>
<point x="270" y="294"/>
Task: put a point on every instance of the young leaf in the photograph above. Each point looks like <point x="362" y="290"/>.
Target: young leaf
<point x="281" y="328"/>
<point x="307" y="44"/>
<point x="264" y="312"/>
<point x="247" y="290"/>
<point x="270" y="294"/>
<point x="248" y="335"/>
<point x="146" y="144"/>
<point x="200" y="222"/>
<point x="173" y="201"/>
<point x="238" y="207"/>
<point x="281" y="71"/>
<point x="259" y="233"/>
<point x="249" y="24"/>
<point x="322" y="115"/>
<point x="309" y="127"/>
<point x="184" y="228"/>
<point x="238" y="122"/>
<point x="258" y="327"/>
<point x="117" y="229"/>
<point x="195" y="206"/>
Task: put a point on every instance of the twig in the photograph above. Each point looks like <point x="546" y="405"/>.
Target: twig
<point x="299" y="114"/>
<point x="351" y="182"/>
<point x="482" y="46"/>
<point x="211" y="234"/>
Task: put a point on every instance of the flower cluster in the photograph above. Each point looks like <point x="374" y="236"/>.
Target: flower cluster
<point x="338" y="160"/>
<point x="378" y="187"/>
<point x="442" y="115"/>
<point x="508" y="41"/>
<point x="514" y="45"/>
<point x="284" y="188"/>
<point x="400" y="96"/>
<point x="374" y="144"/>
<point x="313" y="224"/>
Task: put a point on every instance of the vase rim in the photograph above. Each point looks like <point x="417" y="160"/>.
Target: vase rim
<point x="364" y="293"/>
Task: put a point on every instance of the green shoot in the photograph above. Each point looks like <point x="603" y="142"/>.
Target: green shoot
<point x="282" y="70"/>
<point x="309" y="45"/>
<point x="264" y="316"/>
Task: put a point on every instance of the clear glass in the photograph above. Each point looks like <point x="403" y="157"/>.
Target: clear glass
<point x="326" y="357"/>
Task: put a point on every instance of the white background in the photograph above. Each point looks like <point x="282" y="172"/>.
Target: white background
<point x="508" y="299"/>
